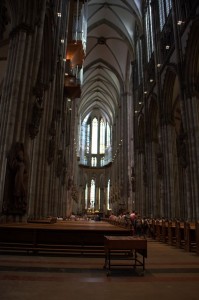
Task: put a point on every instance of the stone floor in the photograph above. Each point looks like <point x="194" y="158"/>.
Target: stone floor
<point x="170" y="274"/>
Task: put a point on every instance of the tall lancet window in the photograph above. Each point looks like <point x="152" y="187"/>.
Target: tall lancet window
<point x="88" y="138"/>
<point x="102" y="162"/>
<point x="164" y="10"/>
<point x="139" y="60"/>
<point x="94" y="161"/>
<point x="108" y="195"/>
<point x="94" y="144"/>
<point x="92" y="194"/>
<point x="102" y="136"/>
<point x="99" y="195"/>
<point x="108" y="135"/>
<point x="86" y="196"/>
<point x="149" y="30"/>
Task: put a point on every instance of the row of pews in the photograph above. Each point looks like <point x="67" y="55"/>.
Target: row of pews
<point x="181" y="234"/>
<point x="67" y="237"/>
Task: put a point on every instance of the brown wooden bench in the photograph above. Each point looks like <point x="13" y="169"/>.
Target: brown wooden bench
<point x="190" y="236"/>
<point x="197" y="238"/>
<point x="49" y="220"/>
<point x="180" y="239"/>
<point x="34" y="249"/>
<point x="165" y="228"/>
<point x="158" y="230"/>
<point x="73" y="237"/>
<point x="171" y="233"/>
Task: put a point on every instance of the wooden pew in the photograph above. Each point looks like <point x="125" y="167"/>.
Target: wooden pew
<point x="164" y="236"/>
<point x="190" y="236"/>
<point x="180" y="239"/>
<point x="171" y="232"/>
<point x="197" y="238"/>
<point x="71" y="237"/>
<point x="48" y="220"/>
<point x="158" y="226"/>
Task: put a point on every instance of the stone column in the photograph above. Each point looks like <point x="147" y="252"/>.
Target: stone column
<point x="16" y="91"/>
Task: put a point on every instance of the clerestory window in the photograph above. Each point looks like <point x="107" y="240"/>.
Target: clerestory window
<point x="164" y="10"/>
<point x="149" y="30"/>
<point x="94" y="141"/>
<point x="95" y="145"/>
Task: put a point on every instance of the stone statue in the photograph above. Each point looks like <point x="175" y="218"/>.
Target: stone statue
<point x="15" y="195"/>
<point x="37" y="112"/>
<point x="70" y="183"/>
<point x="133" y="179"/>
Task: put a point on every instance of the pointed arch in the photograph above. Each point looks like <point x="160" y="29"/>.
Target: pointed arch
<point x="191" y="69"/>
<point x="168" y="88"/>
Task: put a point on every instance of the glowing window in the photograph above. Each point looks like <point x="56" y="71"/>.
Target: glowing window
<point x="94" y="144"/>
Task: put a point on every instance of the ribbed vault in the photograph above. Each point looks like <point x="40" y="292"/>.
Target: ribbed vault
<point x="110" y="46"/>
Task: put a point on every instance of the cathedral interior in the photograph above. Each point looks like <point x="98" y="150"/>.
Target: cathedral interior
<point x="99" y="108"/>
<point x="99" y="116"/>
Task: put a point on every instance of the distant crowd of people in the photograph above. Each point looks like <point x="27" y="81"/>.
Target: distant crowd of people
<point x="139" y="225"/>
<point x="85" y="217"/>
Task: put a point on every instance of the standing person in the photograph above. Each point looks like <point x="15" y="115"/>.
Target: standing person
<point x="127" y="218"/>
<point x="145" y="226"/>
<point x="132" y="219"/>
<point x="138" y="225"/>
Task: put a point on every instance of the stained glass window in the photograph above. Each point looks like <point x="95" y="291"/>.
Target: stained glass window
<point x="164" y="10"/>
<point x="92" y="194"/>
<point x="102" y="136"/>
<point x="108" y="194"/>
<point x="149" y="30"/>
<point x="94" y="143"/>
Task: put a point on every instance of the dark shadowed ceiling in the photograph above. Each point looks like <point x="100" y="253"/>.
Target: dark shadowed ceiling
<point x="110" y="46"/>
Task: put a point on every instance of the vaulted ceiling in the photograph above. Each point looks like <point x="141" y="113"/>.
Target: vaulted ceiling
<point x="110" y="46"/>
